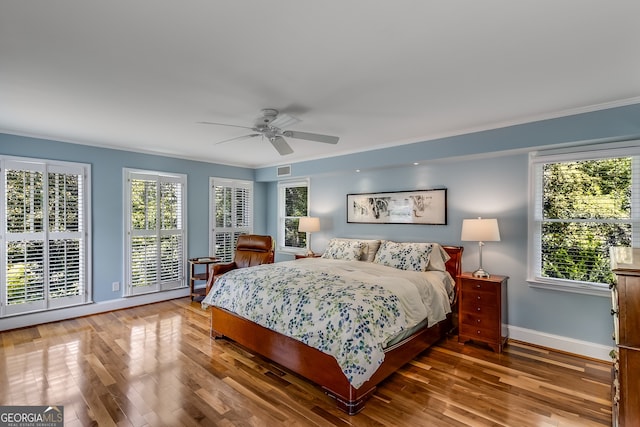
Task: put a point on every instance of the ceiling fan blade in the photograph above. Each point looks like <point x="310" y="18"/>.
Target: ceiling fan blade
<point x="238" y="138"/>
<point x="280" y="145"/>
<point x="224" y="124"/>
<point x="311" y="136"/>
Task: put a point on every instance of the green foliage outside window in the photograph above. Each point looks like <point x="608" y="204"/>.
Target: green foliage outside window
<point x="586" y="211"/>
<point x="295" y="207"/>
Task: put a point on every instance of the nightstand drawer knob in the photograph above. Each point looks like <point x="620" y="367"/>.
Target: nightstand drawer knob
<point x="478" y="285"/>
<point x="478" y="332"/>
<point x="478" y="321"/>
<point x="478" y="298"/>
<point x="479" y="308"/>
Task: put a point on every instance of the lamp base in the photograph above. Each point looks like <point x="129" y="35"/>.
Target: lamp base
<point x="480" y="273"/>
<point x="310" y="253"/>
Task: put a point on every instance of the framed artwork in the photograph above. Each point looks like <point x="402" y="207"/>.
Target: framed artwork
<point x="398" y="207"/>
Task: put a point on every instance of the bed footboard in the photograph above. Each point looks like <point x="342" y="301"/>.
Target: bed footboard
<point x="316" y="366"/>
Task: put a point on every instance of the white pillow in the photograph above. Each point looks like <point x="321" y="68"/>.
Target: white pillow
<point x="348" y="250"/>
<point x="438" y="258"/>
<point x="404" y="256"/>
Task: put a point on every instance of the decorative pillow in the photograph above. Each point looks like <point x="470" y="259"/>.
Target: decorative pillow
<point x="438" y="258"/>
<point x="404" y="256"/>
<point x="369" y="247"/>
<point x="348" y="250"/>
<point x="372" y="249"/>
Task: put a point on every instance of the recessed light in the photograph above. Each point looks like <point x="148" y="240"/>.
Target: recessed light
<point x="415" y="163"/>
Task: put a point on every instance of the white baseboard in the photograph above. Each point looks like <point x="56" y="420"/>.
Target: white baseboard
<point x="569" y="345"/>
<point x="30" y="319"/>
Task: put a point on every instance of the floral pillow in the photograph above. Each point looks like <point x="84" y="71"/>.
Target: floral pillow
<point x="348" y="250"/>
<point x="369" y="247"/>
<point x="404" y="256"/>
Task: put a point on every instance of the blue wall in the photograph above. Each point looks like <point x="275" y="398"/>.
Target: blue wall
<point x="107" y="198"/>
<point x="486" y="174"/>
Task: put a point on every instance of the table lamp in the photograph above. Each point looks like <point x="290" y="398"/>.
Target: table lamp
<point x="480" y="230"/>
<point x="309" y="224"/>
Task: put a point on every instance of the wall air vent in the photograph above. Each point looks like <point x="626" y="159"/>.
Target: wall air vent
<point x="284" y="171"/>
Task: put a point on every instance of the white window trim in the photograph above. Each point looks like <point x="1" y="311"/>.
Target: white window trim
<point x="281" y="213"/>
<point x="233" y="183"/>
<point x="589" y="152"/>
<point x="128" y="289"/>
<point x="45" y="166"/>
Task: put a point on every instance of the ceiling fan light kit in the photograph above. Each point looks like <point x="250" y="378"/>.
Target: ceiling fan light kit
<point x="270" y="125"/>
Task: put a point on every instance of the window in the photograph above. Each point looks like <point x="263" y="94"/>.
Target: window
<point x="583" y="204"/>
<point x="231" y="214"/>
<point x="155" y="210"/>
<point x="293" y="203"/>
<point x="45" y="233"/>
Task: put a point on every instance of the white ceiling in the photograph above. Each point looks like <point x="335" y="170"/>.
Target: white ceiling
<point x="140" y="74"/>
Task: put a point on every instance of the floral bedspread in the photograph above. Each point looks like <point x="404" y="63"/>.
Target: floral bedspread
<point x="348" y="309"/>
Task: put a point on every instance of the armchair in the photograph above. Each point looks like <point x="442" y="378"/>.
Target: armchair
<point x="251" y="250"/>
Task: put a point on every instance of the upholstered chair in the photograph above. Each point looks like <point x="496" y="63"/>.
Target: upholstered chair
<point x="251" y="250"/>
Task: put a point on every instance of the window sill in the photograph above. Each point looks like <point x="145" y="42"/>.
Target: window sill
<point x="571" y="287"/>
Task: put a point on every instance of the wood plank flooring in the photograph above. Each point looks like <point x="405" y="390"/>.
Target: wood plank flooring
<point x="155" y="365"/>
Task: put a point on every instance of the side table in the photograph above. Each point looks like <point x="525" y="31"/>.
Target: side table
<point x="300" y="256"/>
<point x="199" y="276"/>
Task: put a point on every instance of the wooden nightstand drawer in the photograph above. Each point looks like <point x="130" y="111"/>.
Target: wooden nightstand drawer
<point x="482" y="299"/>
<point x="482" y="310"/>
<point x="476" y="285"/>
<point x="487" y="318"/>
<point x="480" y="334"/>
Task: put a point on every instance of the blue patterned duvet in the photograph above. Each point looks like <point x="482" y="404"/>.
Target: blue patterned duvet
<point x="348" y="309"/>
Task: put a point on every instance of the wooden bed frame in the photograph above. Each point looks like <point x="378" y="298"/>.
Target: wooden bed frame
<point x="322" y="368"/>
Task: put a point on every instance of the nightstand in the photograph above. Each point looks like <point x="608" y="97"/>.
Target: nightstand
<point x="483" y="310"/>
<point x="300" y="256"/>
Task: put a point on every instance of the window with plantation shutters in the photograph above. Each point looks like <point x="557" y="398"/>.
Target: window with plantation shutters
<point x="45" y="262"/>
<point x="293" y="203"/>
<point x="584" y="203"/>
<point x="156" y="233"/>
<point x="231" y="215"/>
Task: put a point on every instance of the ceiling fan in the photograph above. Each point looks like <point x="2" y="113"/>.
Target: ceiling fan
<point x="270" y="126"/>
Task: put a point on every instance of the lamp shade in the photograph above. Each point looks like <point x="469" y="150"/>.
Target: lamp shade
<point x="480" y="230"/>
<point x="309" y="224"/>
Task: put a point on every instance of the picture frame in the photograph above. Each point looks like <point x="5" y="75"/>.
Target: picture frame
<point x="398" y="207"/>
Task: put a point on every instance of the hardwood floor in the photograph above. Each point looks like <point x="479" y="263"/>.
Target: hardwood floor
<point x="155" y="365"/>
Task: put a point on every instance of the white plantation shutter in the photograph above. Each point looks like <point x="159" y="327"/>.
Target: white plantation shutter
<point x="66" y="241"/>
<point x="231" y="215"/>
<point x="45" y="232"/>
<point x="156" y="253"/>
<point x="25" y="276"/>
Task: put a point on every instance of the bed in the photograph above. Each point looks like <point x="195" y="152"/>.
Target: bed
<point x="351" y="374"/>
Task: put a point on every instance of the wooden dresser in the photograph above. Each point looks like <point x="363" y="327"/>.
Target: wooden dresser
<point x="483" y="310"/>
<point x="626" y="356"/>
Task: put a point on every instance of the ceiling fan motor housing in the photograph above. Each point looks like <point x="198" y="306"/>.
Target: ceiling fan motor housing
<point x="268" y="115"/>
